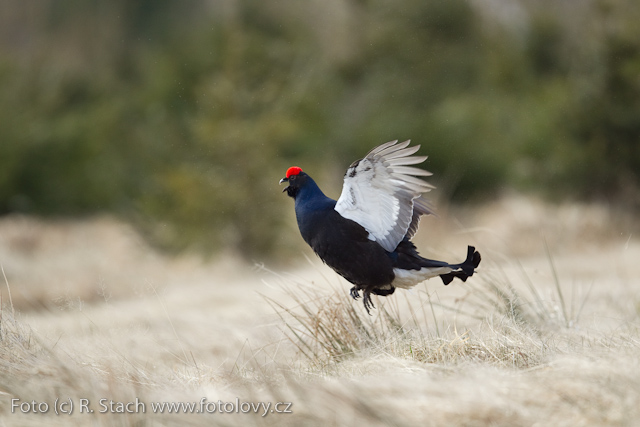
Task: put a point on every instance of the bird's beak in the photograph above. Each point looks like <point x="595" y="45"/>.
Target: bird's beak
<point x="284" y="180"/>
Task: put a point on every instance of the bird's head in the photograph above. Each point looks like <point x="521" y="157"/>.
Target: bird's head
<point x="296" y="179"/>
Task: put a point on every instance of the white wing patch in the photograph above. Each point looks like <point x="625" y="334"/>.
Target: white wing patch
<point x="380" y="193"/>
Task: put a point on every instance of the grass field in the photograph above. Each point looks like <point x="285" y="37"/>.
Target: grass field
<point x="547" y="332"/>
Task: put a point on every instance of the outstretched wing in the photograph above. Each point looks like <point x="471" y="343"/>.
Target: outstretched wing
<point x="382" y="194"/>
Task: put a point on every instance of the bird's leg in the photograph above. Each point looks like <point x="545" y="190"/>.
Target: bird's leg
<point x="368" y="304"/>
<point x="355" y="293"/>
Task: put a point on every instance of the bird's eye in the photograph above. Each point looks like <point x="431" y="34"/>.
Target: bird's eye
<point x="292" y="177"/>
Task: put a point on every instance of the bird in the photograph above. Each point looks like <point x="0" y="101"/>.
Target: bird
<point x="365" y="235"/>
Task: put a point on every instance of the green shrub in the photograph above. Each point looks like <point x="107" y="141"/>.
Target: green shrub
<point x="183" y="119"/>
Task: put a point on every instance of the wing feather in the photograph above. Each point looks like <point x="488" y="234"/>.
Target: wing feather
<point x="408" y="161"/>
<point x="380" y="148"/>
<point x="417" y="183"/>
<point x="383" y="194"/>
<point x="384" y="149"/>
<point x="408" y="170"/>
<point x="402" y="153"/>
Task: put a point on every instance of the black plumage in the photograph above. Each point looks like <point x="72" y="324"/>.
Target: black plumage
<point x="384" y="203"/>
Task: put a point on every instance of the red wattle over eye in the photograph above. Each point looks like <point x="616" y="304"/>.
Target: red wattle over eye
<point x="293" y="170"/>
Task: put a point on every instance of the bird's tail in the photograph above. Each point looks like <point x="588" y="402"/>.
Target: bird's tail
<point x="410" y="268"/>
<point x="463" y="270"/>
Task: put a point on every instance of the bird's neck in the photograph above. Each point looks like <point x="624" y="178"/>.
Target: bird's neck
<point x="310" y="197"/>
<point x="312" y="209"/>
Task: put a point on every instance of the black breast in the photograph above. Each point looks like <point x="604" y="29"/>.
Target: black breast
<point x="344" y="246"/>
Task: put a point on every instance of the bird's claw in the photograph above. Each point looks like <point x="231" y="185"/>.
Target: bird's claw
<point x="368" y="304"/>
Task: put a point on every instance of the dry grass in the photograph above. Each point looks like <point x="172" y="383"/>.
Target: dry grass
<point x="503" y="328"/>
<point x="550" y="338"/>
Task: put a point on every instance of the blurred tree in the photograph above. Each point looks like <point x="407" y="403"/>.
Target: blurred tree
<point x="605" y="121"/>
<point x="183" y="116"/>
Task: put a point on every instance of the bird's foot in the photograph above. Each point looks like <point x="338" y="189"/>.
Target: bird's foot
<point x="368" y="304"/>
<point x="355" y="293"/>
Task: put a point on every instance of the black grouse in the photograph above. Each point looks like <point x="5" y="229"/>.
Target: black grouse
<point x="365" y="235"/>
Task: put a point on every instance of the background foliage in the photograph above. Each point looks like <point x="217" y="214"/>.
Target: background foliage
<point x="182" y="116"/>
